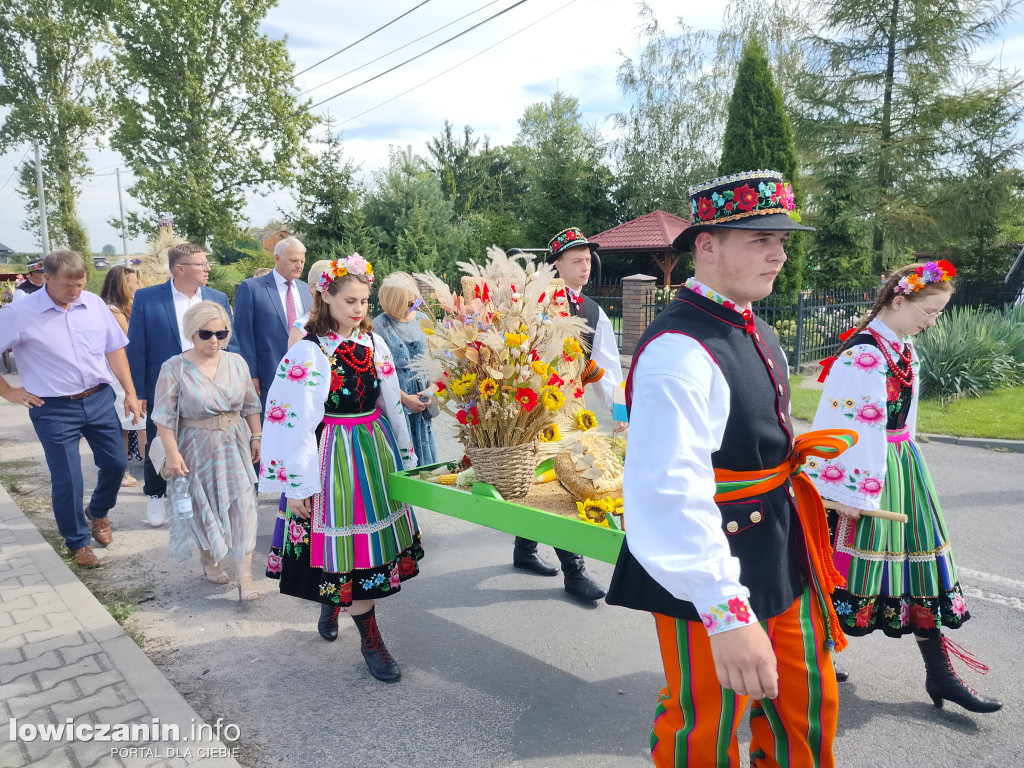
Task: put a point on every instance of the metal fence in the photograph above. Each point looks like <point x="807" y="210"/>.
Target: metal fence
<point x="608" y="294"/>
<point x="808" y="328"/>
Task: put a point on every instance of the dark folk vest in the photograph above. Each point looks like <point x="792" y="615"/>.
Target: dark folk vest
<point x="590" y="311"/>
<point x="763" y="531"/>
<point x="28" y="287"/>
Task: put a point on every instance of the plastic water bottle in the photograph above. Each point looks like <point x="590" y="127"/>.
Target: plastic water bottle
<point x="181" y="501"/>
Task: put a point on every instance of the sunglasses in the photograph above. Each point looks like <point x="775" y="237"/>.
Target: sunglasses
<point x="206" y="335"/>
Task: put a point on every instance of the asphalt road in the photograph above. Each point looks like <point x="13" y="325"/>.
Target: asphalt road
<point x="502" y="668"/>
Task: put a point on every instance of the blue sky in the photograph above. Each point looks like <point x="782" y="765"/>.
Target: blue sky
<point x="576" y="48"/>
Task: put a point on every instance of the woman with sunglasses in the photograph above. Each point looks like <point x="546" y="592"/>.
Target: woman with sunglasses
<point x="399" y="326"/>
<point x="901" y="578"/>
<point x="208" y="417"/>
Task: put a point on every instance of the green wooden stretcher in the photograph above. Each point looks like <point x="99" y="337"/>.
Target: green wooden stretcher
<point x="483" y="505"/>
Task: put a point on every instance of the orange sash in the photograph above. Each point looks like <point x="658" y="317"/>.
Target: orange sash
<point x="810" y="511"/>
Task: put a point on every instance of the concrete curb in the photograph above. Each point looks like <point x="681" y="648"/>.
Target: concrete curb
<point x="140" y="674"/>
<point x="992" y="444"/>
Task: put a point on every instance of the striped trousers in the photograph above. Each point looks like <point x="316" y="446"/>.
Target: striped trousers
<point x="696" y="719"/>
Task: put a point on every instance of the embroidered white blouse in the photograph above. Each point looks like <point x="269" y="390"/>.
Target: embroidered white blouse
<point x="680" y="406"/>
<point x="295" y="406"/>
<point x="855" y="398"/>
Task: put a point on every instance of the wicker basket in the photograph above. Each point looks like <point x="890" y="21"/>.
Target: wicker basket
<point x="509" y="469"/>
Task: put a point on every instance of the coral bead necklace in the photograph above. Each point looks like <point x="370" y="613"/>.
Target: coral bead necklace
<point x="904" y="377"/>
<point x="347" y="352"/>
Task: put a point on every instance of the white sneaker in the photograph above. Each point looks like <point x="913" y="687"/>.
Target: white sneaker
<point x="155" y="511"/>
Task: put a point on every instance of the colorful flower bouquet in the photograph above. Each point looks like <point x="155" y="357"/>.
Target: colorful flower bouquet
<point x="503" y="359"/>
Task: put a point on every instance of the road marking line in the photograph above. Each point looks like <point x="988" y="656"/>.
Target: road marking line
<point x="992" y="578"/>
<point x="992" y="597"/>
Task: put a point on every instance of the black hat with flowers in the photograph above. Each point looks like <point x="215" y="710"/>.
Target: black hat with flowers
<point x="35" y="266"/>
<point x="566" y="239"/>
<point x="759" y="200"/>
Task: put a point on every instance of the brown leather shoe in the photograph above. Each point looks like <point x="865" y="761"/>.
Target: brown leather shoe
<point x="101" y="531"/>
<point x="85" y="557"/>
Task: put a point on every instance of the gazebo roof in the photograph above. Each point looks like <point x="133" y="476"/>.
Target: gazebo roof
<point x="653" y="231"/>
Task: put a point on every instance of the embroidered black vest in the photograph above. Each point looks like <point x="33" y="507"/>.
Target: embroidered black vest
<point x="763" y="531"/>
<point x="28" y="287"/>
<point x="590" y="311"/>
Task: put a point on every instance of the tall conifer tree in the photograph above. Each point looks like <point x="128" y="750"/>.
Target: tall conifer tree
<point x="758" y="135"/>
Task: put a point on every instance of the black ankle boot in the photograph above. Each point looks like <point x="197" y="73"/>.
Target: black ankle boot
<point x="942" y="681"/>
<point x="524" y="555"/>
<point x="577" y="582"/>
<point x="381" y="665"/>
<point x="328" y="624"/>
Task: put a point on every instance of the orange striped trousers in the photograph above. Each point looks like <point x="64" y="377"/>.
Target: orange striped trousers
<point x="696" y="719"/>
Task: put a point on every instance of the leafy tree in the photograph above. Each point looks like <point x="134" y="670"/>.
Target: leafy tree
<point x="236" y="248"/>
<point x="108" y="250"/>
<point x="758" y="135"/>
<point x="569" y="183"/>
<point x="840" y="251"/>
<point x="406" y="185"/>
<point x="206" y="110"/>
<point x="892" y="74"/>
<point x="55" y="88"/>
<point x="326" y="195"/>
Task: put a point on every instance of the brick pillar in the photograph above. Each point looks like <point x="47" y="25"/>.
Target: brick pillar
<point x="637" y="291"/>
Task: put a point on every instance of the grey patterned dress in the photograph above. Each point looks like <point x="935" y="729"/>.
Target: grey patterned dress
<point x="221" y="476"/>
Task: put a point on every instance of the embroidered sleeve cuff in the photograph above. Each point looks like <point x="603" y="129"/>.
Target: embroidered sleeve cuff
<point x="730" y="615"/>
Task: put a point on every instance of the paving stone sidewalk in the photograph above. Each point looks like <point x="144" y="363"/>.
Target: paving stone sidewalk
<point x="63" y="656"/>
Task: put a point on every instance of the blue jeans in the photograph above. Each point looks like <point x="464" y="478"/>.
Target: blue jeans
<point x="60" y="425"/>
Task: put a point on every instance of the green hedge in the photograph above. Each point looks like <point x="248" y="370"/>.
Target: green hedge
<point x="972" y="351"/>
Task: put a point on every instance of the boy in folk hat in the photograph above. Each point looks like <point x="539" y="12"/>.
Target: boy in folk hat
<point x="570" y="253"/>
<point x="32" y="283"/>
<point x="729" y="554"/>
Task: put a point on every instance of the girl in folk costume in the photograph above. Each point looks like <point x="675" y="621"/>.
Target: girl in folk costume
<point x="333" y="431"/>
<point x="900" y="577"/>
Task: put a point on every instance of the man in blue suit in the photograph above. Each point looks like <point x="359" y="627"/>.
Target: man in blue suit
<point x="155" y="336"/>
<point x="265" y="308"/>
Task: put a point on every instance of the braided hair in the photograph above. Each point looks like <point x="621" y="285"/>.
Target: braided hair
<point x="888" y="292"/>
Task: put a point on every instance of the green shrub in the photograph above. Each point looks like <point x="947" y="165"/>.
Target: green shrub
<point x="226" y="278"/>
<point x="972" y="351"/>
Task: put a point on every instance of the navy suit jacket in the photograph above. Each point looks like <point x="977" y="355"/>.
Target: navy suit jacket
<point x="153" y="336"/>
<point x="261" y="326"/>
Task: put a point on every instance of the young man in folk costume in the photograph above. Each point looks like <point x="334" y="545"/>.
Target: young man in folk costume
<point x="570" y="253"/>
<point x="726" y="542"/>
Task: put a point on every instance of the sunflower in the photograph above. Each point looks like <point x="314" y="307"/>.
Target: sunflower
<point x="592" y="511"/>
<point x="552" y="398"/>
<point x="550" y="434"/>
<point x="539" y="366"/>
<point x="516" y="339"/>
<point x="462" y="385"/>
<point x="488" y="388"/>
<point x="586" y="420"/>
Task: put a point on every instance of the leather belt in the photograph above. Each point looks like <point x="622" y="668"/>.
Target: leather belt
<point x="221" y="422"/>
<point x="83" y="395"/>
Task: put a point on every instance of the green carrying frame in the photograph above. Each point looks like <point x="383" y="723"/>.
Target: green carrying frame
<point x="484" y="506"/>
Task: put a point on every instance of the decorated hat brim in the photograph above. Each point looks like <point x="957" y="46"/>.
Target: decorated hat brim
<point x="772" y="222"/>
<point x="553" y="257"/>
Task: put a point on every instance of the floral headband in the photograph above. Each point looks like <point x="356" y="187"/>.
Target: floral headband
<point x="353" y="265"/>
<point x="923" y="274"/>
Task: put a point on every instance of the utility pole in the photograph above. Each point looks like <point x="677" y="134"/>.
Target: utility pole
<point x="42" y="201"/>
<point x="120" y="201"/>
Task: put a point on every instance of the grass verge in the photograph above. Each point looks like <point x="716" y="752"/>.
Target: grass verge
<point x="997" y="415"/>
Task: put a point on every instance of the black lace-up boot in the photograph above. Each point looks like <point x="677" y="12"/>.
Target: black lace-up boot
<point x="942" y="681"/>
<point x="381" y="665"/>
<point x="328" y="624"/>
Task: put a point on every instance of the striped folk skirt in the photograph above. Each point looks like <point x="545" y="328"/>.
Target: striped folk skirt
<point x="900" y="577"/>
<point x="357" y="544"/>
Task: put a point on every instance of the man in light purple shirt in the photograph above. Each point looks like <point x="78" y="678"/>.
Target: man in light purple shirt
<point x="69" y="348"/>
